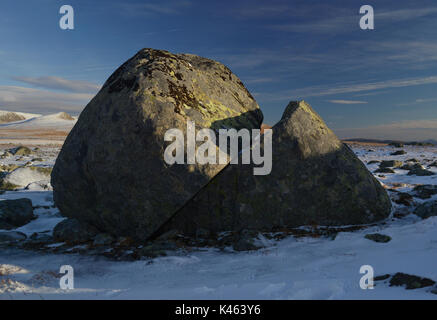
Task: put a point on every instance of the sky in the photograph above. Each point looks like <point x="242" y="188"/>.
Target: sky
<point x="379" y="83"/>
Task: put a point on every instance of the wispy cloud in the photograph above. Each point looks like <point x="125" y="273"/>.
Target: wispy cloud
<point x="347" y="101"/>
<point x="58" y="83"/>
<point x="370" y="86"/>
<point x="426" y="100"/>
<point x="327" y="90"/>
<point x="155" y="7"/>
<point x="15" y="98"/>
<point x="342" y="21"/>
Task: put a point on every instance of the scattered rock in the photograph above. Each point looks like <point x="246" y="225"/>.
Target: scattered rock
<point x="396" y="144"/>
<point x="377" y="237"/>
<point x="384" y="170"/>
<point x="113" y="175"/>
<point x="15" y="213"/>
<point x="373" y="162"/>
<point x="410" y="281"/>
<point x="390" y="164"/>
<point x="245" y="241"/>
<point x="103" y="239"/>
<point x="411" y="166"/>
<point x="425" y="191"/>
<point x="23" y="176"/>
<point x="403" y="198"/>
<point x="413" y="160"/>
<point x="427" y="209"/>
<point x="11" y="236"/>
<point x="398" y="153"/>
<point x="156" y="249"/>
<point x="41" y="237"/>
<point x="73" y="231"/>
<point x="20" y="151"/>
<point x="420" y="172"/>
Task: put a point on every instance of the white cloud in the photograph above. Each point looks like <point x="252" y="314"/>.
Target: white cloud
<point x="347" y="101"/>
<point x="342" y="21"/>
<point x="51" y="82"/>
<point x="157" y="7"/>
<point x="14" y="98"/>
<point x="370" y="86"/>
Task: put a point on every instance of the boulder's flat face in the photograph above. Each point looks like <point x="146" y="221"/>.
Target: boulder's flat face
<point x="111" y="171"/>
<point x="315" y="180"/>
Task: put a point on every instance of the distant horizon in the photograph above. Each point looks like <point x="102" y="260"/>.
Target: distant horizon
<point x="339" y="134"/>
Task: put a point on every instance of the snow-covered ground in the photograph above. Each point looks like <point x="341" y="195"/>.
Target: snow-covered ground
<point x="292" y="268"/>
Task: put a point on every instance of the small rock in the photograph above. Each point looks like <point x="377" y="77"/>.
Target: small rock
<point x="245" y="241"/>
<point x="410" y="281"/>
<point x="427" y="209"/>
<point x="403" y="198"/>
<point x="21" y="151"/>
<point x="377" y="237"/>
<point x="398" y="153"/>
<point x="15" y="213"/>
<point x="384" y="170"/>
<point x="373" y="162"/>
<point x="41" y="237"/>
<point x="396" y="144"/>
<point x="103" y="239"/>
<point x="156" y="249"/>
<point x="413" y="160"/>
<point x="390" y="164"/>
<point x="421" y="172"/>
<point x="124" y="242"/>
<point x="411" y="166"/>
<point x="169" y="235"/>
<point x="73" y="231"/>
<point x="10" y="236"/>
<point x="425" y="191"/>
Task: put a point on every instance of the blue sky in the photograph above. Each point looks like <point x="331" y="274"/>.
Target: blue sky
<point x="379" y="83"/>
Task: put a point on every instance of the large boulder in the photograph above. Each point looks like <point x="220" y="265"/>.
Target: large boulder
<point x="315" y="180"/>
<point x="111" y="171"/>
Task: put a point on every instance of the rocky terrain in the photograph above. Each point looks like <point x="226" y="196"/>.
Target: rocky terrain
<point x="108" y="196"/>
<point x="314" y="262"/>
